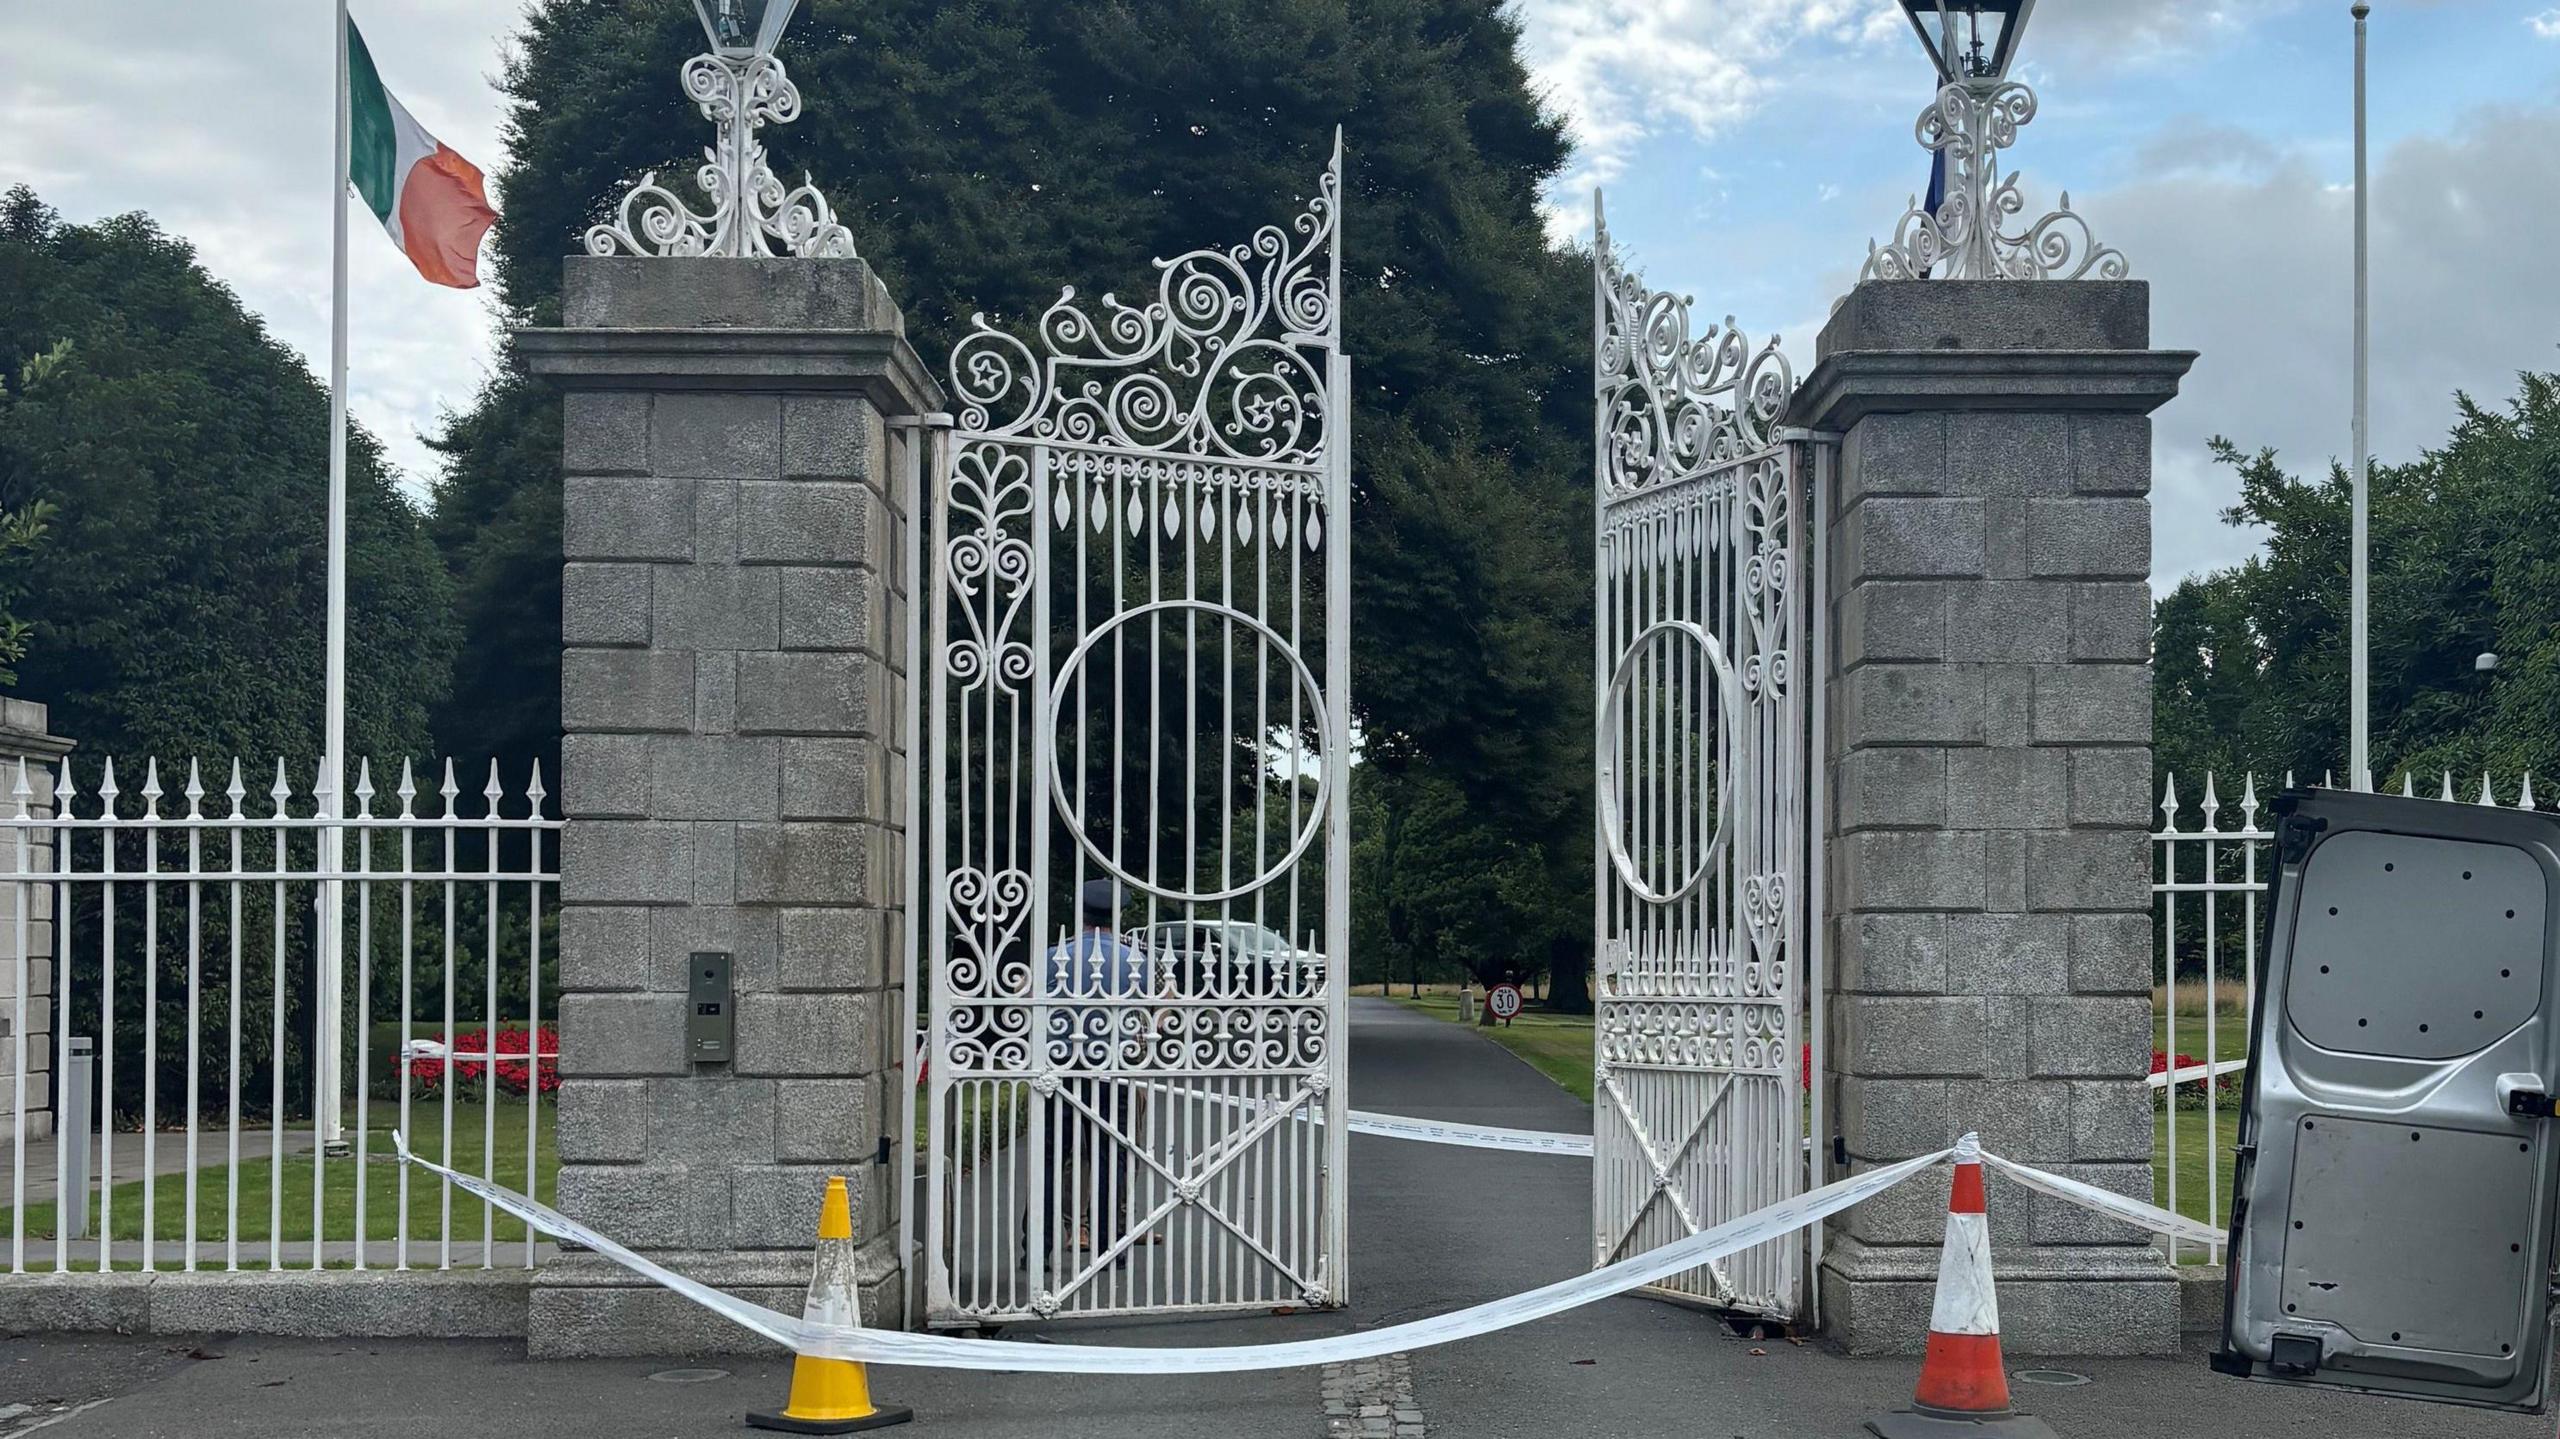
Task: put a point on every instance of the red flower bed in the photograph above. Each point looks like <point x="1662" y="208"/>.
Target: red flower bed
<point x="543" y="1068"/>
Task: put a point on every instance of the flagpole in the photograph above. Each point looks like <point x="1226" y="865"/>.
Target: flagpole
<point x="329" y="1120"/>
<point x="2359" y="760"/>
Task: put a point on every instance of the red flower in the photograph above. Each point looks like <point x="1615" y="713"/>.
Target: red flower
<point x="469" y="1060"/>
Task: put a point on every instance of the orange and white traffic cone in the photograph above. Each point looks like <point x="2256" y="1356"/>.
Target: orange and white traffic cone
<point x="832" y="1396"/>
<point x="1964" y="1389"/>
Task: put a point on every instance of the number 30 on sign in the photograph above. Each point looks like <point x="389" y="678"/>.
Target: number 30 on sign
<point x="1504" y="1001"/>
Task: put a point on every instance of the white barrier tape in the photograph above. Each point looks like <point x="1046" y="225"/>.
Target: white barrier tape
<point x="880" y="1346"/>
<point x="1426" y="1131"/>
<point x="1474" y="1136"/>
<point x="2090" y="1196"/>
<point x="1392" y="1126"/>
<point x="933" y="1351"/>
<point x="773" y="1326"/>
<point x="2192" y="1072"/>
<point x="2132" y="1211"/>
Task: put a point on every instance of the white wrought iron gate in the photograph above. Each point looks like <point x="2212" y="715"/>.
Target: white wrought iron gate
<point x="1699" y="910"/>
<point x="1140" y="673"/>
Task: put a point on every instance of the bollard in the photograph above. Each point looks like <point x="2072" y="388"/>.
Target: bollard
<point x="71" y="1129"/>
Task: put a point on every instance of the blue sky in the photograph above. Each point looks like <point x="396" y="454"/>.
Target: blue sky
<point x="1750" y="149"/>
<point x="2210" y="142"/>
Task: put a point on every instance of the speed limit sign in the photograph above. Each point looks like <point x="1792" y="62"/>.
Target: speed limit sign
<point x="1504" y="1002"/>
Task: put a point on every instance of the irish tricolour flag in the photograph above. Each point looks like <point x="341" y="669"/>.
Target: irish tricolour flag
<point x="428" y="197"/>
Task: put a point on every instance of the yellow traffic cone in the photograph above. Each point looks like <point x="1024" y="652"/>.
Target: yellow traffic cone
<point x="832" y="1396"/>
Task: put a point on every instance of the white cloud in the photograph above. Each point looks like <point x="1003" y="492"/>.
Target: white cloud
<point x="215" y="119"/>
<point x="2141" y="34"/>
<point x="2248" y="251"/>
<point x="2546" y="24"/>
<point x="1622" y="71"/>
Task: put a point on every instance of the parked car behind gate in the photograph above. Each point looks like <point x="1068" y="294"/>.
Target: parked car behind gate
<point x="1228" y="956"/>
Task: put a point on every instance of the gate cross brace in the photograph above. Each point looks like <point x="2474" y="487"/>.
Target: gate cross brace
<point x="1187" y="1184"/>
<point x="1662" y="1168"/>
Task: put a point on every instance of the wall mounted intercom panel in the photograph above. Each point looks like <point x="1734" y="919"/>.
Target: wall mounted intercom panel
<point x="710" y="1017"/>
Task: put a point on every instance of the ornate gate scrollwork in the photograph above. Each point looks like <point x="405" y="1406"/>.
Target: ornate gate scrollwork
<point x="1140" y="677"/>
<point x="1698" y="916"/>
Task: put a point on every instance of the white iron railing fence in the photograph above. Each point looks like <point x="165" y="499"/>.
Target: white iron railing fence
<point x="187" y="940"/>
<point x="2206" y="889"/>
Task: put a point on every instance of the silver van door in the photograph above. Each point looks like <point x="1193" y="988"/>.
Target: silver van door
<point x="2391" y="1224"/>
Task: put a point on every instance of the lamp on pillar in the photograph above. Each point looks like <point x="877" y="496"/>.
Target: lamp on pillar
<point x="1976" y="115"/>
<point x="1953" y="35"/>
<point x="744" y="29"/>
<point x="740" y="87"/>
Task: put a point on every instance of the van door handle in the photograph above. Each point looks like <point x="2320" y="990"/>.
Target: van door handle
<point x="2523" y="1096"/>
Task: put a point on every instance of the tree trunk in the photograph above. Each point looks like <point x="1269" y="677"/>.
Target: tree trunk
<point x="1568" y="983"/>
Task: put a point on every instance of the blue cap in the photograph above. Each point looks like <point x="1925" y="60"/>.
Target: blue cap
<point x="1100" y="898"/>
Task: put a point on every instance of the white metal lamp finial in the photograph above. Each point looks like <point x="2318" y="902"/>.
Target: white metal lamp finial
<point x="740" y="88"/>
<point x="1976" y="114"/>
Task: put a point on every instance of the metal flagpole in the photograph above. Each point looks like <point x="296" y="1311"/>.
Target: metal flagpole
<point x="2359" y="763"/>
<point x="329" y="1120"/>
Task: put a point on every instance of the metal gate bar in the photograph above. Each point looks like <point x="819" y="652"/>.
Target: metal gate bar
<point x="1698" y="907"/>
<point x="1139" y="533"/>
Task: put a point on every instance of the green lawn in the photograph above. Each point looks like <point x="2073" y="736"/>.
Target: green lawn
<point x="2200" y="1143"/>
<point x="338" y="1202"/>
<point x="1558" y="1045"/>
<point x="2230" y="1034"/>
<point x="2196" y="1140"/>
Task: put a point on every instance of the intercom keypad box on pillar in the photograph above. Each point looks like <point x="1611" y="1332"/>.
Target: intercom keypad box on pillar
<point x="2391" y="1223"/>
<point x="710" y="1018"/>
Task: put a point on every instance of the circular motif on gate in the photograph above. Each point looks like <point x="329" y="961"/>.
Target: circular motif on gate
<point x="1725" y="695"/>
<point x="1074" y="817"/>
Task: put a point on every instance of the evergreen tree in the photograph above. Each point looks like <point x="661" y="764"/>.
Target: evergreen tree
<point x="985" y="153"/>
<point x="174" y="607"/>
<point x="2465" y="552"/>
<point x="175" y="604"/>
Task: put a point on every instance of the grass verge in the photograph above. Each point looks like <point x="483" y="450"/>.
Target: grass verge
<point x="256" y="1216"/>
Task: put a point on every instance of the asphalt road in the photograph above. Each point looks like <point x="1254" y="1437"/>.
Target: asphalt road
<point x="1433" y="1228"/>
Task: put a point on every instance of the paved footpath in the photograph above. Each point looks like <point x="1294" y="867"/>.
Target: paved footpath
<point x="1433" y="1228"/>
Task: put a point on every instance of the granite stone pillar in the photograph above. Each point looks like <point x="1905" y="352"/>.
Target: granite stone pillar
<point x="29" y="749"/>
<point x="732" y="671"/>
<point x="1989" y="753"/>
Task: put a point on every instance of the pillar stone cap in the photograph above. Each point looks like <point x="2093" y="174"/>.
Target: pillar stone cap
<point x="1990" y="315"/>
<point x="2045" y="345"/>
<point x="707" y="323"/>
<point x="712" y="292"/>
<point x="25" y="730"/>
